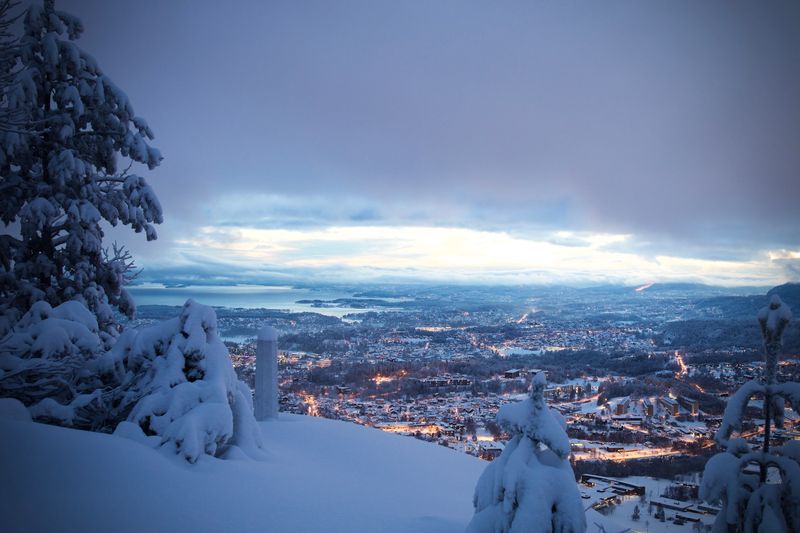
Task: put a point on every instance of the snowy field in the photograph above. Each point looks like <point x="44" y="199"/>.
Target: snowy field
<point x="320" y="475"/>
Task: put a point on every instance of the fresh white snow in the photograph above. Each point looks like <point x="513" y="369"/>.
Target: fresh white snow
<point x="318" y="475"/>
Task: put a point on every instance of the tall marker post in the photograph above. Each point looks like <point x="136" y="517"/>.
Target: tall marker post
<point x="266" y="400"/>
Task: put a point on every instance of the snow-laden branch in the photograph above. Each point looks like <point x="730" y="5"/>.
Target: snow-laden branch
<point x="734" y="411"/>
<point x="769" y="500"/>
<point x="65" y="128"/>
<point x="531" y="486"/>
<point x="532" y="418"/>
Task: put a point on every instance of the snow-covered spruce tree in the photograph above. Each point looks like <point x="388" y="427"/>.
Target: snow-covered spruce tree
<point x="531" y="487"/>
<point x="179" y="390"/>
<point x="767" y="500"/>
<point x="174" y="381"/>
<point x="65" y="132"/>
<point x="64" y="128"/>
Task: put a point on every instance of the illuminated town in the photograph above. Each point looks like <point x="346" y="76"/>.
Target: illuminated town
<point x="442" y="373"/>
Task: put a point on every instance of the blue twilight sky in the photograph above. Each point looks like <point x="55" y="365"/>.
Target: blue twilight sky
<point x="456" y="140"/>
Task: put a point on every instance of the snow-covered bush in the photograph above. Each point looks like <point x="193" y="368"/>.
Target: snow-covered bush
<point x="531" y="486"/>
<point x="769" y="500"/>
<point x="45" y="362"/>
<point x="173" y="380"/>
<point x="178" y="384"/>
<point x="66" y="132"/>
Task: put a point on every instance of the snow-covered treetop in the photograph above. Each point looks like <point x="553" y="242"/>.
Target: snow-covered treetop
<point x="749" y="501"/>
<point x="535" y="420"/>
<point x="773" y="320"/>
<point x="530" y="487"/>
<point x="776" y="315"/>
<point x="68" y="140"/>
<point x="179" y="385"/>
<point x="84" y="104"/>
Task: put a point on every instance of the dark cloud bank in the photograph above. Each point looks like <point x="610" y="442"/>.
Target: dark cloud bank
<point x="674" y="121"/>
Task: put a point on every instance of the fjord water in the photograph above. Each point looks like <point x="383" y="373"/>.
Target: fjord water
<point x="247" y="296"/>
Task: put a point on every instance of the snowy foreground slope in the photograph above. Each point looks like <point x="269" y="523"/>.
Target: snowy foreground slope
<point x="320" y="475"/>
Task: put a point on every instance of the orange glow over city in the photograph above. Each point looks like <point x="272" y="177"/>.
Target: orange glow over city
<point x="430" y="429"/>
<point x="311" y="403"/>
<point x="380" y="378"/>
<point x="626" y="455"/>
<point x="684" y="370"/>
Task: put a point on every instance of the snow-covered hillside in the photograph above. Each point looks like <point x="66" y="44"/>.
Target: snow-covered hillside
<point x="320" y="475"/>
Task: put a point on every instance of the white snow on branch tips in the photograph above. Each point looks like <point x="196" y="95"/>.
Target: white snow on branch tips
<point x="775" y="313"/>
<point x="45" y="363"/>
<point x="790" y="392"/>
<point x="768" y="501"/>
<point x="68" y="138"/>
<point x="535" y="420"/>
<point x="183" y="389"/>
<point x="723" y="481"/>
<point x="174" y="381"/>
<point x="773" y="320"/>
<point x="531" y="486"/>
<point x="734" y="411"/>
<point x="747" y="503"/>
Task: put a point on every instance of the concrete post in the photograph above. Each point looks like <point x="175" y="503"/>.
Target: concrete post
<point x="266" y="401"/>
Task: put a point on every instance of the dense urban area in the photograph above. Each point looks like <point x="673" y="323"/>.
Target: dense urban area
<point x="640" y="374"/>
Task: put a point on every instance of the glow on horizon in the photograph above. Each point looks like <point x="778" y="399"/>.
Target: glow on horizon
<point x="461" y="254"/>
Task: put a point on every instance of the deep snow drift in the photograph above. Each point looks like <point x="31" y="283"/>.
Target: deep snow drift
<point x="319" y="475"/>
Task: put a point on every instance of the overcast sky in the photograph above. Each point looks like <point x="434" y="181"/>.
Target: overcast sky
<point x="522" y="141"/>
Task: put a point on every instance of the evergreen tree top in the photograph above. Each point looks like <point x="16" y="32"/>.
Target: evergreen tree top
<point x="66" y="131"/>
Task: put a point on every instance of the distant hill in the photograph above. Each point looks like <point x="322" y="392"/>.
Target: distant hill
<point x="746" y="307"/>
<point x="731" y="320"/>
<point x="676" y="286"/>
<point x="733" y="307"/>
<point x="696" y="289"/>
<point x="790" y="294"/>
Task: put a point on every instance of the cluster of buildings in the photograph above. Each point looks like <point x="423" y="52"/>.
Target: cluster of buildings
<point x="454" y="416"/>
<point x="635" y="504"/>
<point x="458" y="410"/>
<point x="446" y="408"/>
<point x="442" y="334"/>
